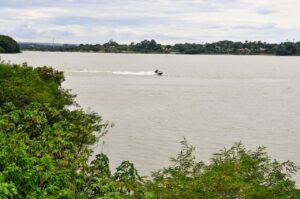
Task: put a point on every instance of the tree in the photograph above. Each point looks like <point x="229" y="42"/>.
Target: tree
<point x="8" y="45"/>
<point x="147" y="46"/>
<point x="24" y="85"/>
<point x="43" y="146"/>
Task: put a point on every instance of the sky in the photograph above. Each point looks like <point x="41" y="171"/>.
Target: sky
<point x="166" y="21"/>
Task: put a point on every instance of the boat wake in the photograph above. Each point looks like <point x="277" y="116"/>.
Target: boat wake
<point x="88" y="71"/>
<point x="141" y="73"/>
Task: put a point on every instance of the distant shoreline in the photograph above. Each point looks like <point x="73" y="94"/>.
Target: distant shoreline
<point x="136" y="53"/>
<point x="152" y="47"/>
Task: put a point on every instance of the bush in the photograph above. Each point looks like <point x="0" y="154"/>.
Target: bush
<point x="232" y="173"/>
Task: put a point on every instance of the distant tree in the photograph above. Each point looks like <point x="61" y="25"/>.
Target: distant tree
<point x="2" y="50"/>
<point x="147" y="46"/>
<point x="151" y="46"/>
<point x="111" y="43"/>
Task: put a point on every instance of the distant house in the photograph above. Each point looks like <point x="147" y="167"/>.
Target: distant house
<point x="262" y="49"/>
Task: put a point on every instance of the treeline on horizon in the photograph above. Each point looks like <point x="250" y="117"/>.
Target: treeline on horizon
<point x="45" y="149"/>
<point x="151" y="46"/>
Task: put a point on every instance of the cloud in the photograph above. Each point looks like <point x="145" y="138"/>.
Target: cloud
<point x="103" y="21"/>
<point x="251" y="27"/>
<point x="167" y="21"/>
<point x="264" y="11"/>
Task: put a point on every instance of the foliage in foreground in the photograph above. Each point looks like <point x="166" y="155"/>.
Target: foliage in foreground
<point x="232" y="173"/>
<point x="44" y="152"/>
<point x="25" y="85"/>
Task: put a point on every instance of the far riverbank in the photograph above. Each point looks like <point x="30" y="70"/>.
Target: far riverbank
<point x="152" y="47"/>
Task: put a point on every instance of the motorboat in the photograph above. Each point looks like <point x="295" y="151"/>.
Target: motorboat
<point x="158" y="72"/>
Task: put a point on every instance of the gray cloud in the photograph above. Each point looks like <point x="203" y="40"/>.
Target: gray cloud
<point x="264" y="11"/>
<point x="168" y="21"/>
<point x="252" y="27"/>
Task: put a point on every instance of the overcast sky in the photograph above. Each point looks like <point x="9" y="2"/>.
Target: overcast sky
<point x="167" y="21"/>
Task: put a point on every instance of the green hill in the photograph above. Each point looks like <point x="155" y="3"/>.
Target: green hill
<point x="8" y="45"/>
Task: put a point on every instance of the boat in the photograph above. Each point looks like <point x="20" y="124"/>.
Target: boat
<point x="158" y="72"/>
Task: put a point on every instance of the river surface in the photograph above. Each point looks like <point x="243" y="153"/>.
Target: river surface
<point x="211" y="100"/>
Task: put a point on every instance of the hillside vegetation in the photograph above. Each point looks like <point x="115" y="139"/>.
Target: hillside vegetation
<point x="45" y="147"/>
<point x="8" y="45"/>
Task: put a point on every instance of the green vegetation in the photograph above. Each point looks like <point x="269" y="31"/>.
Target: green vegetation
<point x="24" y="85"/>
<point x="146" y="46"/>
<point x="44" y="152"/>
<point x="8" y="45"/>
<point x="232" y="173"/>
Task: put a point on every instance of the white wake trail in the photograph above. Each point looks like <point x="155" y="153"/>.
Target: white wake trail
<point x="140" y="73"/>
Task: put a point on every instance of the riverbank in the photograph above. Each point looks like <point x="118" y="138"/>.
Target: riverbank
<point x="146" y="46"/>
